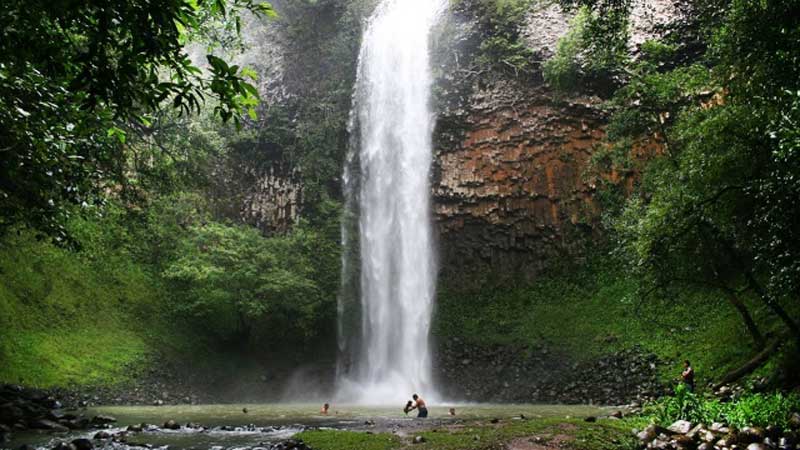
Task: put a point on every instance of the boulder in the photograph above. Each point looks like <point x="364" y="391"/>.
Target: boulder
<point x="680" y="427"/>
<point x="82" y="444"/>
<point x="419" y="439"/>
<point x="794" y="421"/>
<point x="716" y="426"/>
<point x="695" y="431"/>
<point x="102" y="435"/>
<point x="646" y="435"/>
<point x="64" y="446"/>
<point x="171" y="425"/>
<point x="749" y="435"/>
<point x="136" y="428"/>
<point x="44" y="424"/>
<point x="683" y="441"/>
<point x="786" y="442"/>
<point x="706" y="436"/>
<point x="756" y="446"/>
<point x="102" y="419"/>
<point x="10" y="413"/>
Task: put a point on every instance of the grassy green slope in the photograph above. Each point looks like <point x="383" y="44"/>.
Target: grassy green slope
<point x="67" y="320"/>
<point x="593" y="310"/>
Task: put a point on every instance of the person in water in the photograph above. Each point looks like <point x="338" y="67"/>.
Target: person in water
<point x="408" y="407"/>
<point x="324" y="409"/>
<point x="687" y="376"/>
<point x="419" y="405"/>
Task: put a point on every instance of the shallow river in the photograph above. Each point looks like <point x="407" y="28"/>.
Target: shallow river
<point x="228" y="426"/>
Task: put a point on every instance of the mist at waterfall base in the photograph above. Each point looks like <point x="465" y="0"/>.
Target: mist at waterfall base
<point x="388" y="191"/>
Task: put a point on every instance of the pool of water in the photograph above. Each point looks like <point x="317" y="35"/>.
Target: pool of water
<point x="230" y="427"/>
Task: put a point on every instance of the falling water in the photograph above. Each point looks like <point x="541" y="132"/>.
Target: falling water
<point x="392" y="125"/>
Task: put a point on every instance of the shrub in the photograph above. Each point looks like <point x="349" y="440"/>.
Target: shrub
<point x="749" y="410"/>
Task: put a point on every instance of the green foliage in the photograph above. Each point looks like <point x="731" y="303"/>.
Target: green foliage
<point x="563" y="70"/>
<point x="500" y="22"/>
<point x="687" y="322"/>
<point x="71" y="76"/>
<point x="68" y="318"/>
<point x="749" y="410"/>
<point x="474" y="435"/>
<point x="231" y="275"/>
<point x="334" y="440"/>
<point x="706" y="208"/>
<point x="594" y="50"/>
<point x="232" y="281"/>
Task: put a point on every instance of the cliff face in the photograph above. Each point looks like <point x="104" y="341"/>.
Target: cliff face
<point x="512" y="187"/>
<point x="509" y="190"/>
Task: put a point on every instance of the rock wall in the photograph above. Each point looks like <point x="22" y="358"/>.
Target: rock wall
<point x="273" y="202"/>
<point x="512" y="190"/>
<point x="540" y="374"/>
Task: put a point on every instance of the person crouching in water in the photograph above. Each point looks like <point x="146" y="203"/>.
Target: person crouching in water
<point x="419" y="405"/>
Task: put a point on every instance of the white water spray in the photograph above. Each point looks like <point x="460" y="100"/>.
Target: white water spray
<point x="392" y="123"/>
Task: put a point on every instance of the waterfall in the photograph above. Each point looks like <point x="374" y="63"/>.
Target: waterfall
<point x="388" y="197"/>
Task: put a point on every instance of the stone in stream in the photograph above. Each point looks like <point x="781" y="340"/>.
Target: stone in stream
<point x="82" y="444"/>
<point x="171" y="425"/>
<point x="44" y="424"/>
<point x="756" y="446"/>
<point x="64" y="446"/>
<point x="419" y="440"/>
<point x="136" y="428"/>
<point x="102" y="435"/>
<point x="102" y="419"/>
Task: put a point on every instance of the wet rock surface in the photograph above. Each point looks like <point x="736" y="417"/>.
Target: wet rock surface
<point x="544" y="375"/>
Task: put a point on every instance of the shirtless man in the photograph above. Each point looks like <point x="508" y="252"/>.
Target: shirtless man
<point x="688" y="375"/>
<point x="324" y="409"/>
<point x="419" y="405"/>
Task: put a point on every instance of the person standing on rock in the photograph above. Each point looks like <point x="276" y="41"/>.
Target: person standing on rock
<point x="419" y="405"/>
<point x="688" y="375"/>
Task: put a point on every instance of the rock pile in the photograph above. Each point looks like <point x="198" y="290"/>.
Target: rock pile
<point x="544" y="375"/>
<point x="22" y="409"/>
<point x="686" y="435"/>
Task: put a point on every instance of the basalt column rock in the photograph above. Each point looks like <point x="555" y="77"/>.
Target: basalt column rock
<point x="510" y="185"/>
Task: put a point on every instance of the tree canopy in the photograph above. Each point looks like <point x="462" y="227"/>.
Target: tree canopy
<point x="74" y="74"/>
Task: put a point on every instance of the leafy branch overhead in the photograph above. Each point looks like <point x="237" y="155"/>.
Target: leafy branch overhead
<point x="74" y="74"/>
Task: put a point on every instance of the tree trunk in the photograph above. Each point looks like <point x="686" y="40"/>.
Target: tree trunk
<point x="750" y="366"/>
<point x="773" y="305"/>
<point x="749" y="323"/>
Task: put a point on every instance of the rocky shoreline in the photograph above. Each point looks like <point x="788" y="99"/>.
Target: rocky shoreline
<point x="683" y="434"/>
